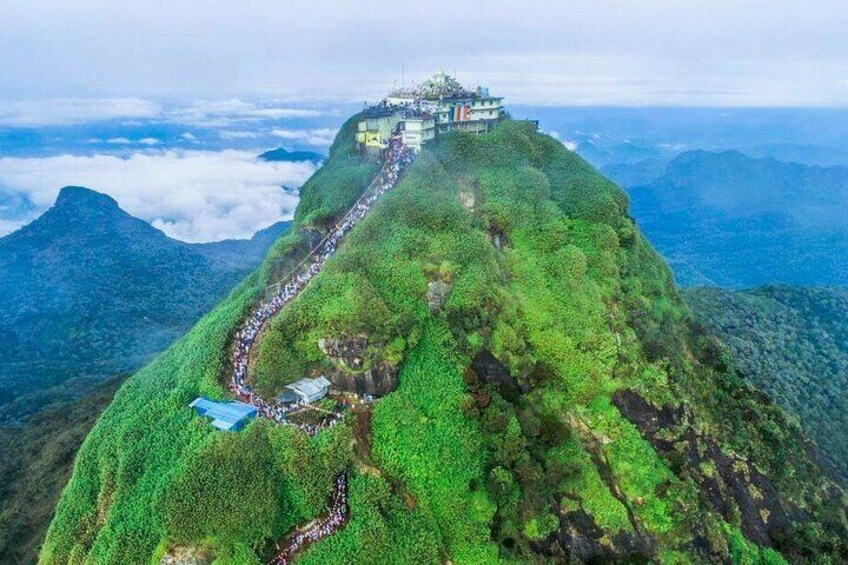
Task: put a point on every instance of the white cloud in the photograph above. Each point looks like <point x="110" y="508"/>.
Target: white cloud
<point x="191" y="195"/>
<point x="39" y="113"/>
<point x="118" y="141"/>
<point x="224" y="113"/>
<point x="321" y="137"/>
<point x="230" y="134"/>
<point x="149" y="141"/>
<point x="602" y="52"/>
<point x="188" y="136"/>
<point x="70" y="111"/>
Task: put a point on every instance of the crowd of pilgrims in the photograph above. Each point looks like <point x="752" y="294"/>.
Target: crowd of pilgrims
<point x="398" y="157"/>
<point x="328" y="525"/>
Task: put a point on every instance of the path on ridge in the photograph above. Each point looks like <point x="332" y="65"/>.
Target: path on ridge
<point x="398" y="158"/>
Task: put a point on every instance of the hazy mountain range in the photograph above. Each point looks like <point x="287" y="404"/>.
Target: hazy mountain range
<point x="727" y="219"/>
<point x="88" y="292"/>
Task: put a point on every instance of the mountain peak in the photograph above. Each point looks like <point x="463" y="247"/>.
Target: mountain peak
<point x="281" y="154"/>
<point x="79" y="195"/>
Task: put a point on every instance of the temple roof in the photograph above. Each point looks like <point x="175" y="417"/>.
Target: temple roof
<point x="440" y="85"/>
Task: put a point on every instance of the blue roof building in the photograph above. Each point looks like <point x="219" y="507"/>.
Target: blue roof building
<point x="226" y="416"/>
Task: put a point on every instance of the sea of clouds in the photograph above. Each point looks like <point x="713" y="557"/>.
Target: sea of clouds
<point x="190" y="195"/>
<point x="190" y="170"/>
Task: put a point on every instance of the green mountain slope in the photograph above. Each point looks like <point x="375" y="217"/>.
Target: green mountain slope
<point x="88" y="291"/>
<point x="792" y="343"/>
<point x="556" y="403"/>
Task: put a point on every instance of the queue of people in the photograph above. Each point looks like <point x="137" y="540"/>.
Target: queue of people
<point x="326" y="526"/>
<point x="398" y="157"/>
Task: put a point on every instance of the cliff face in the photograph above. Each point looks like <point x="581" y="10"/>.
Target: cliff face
<point x="552" y="400"/>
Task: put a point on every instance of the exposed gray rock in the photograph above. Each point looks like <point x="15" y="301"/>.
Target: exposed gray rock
<point x="498" y="238"/>
<point x="379" y="380"/>
<point x="183" y="555"/>
<point x="579" y="539"/>
<point x="493" y="372"/>
<point x="467" y="199"/>
<point x="437" y="295"/>
<point x="765" y="518"/>
<point x="348" y="354"/>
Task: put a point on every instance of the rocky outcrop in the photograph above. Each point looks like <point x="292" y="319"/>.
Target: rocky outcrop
<point x="183" y="555"/>
<point x="467" y="199"/>
<point x="728" y="483"/>
<point x="498" y="239"/>
<point x="349" y="352"/>
<point x="376" y="381"/>
<point x="580" y="539"/>
<point x="493" y="372"/>
<point x="437" y="295"/>
<point x="356" y="369"/>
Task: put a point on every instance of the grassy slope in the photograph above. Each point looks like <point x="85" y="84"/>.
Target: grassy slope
<point x="577" y="306"/>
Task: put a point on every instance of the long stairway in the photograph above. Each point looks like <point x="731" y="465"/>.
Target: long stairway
<point x="398" y="158"/>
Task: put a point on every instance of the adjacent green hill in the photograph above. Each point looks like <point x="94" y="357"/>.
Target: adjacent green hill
<point x="554" y="401"/>
<point x="792" y="343"/>
<point x="36" y="460"/>
<point x="88" y="292"/>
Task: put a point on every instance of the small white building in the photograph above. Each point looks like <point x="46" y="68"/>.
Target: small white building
<point x="418" y="130"/>
<point x="305" y="390"/>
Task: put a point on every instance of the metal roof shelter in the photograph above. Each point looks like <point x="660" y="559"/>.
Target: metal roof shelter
<point x="305" y="390"/>
<point x="226" y="416"/>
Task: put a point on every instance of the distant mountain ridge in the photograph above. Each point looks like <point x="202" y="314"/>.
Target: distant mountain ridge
<point x="87" y="291"/>
<point x="727" y="219"/>
<point x="281" y="154"/>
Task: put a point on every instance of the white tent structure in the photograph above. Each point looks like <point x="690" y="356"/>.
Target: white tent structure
<point x="305" y="390"/>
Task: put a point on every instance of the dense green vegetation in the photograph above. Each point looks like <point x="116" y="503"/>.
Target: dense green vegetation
<point x="546" y="272"/>
<point x="36" y="461"/>
<point x="791" y="342"/>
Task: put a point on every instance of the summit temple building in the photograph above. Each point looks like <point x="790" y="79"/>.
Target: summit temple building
<point x="419" y="114"/>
